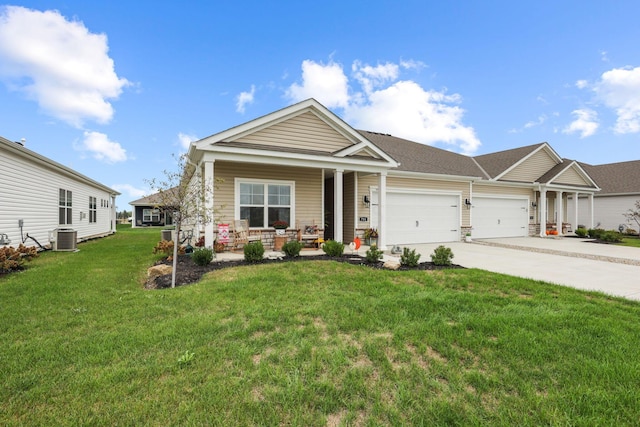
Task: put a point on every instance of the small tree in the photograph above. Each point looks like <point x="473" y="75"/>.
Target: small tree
<point x="186" y="197"/>
<point x="634" y="214"/>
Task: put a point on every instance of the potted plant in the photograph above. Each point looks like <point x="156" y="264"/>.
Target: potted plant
<point x="467" y="237"/>
<point x="280" y="226"/>
<point x="370" y="236"/>
<point x="218" y="247"/>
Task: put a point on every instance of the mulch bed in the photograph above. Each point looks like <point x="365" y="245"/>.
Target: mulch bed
<point x="188" y="272"/>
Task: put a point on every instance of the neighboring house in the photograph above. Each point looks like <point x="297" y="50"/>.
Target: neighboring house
<point x="149" y="211"/>
<point x="304" y="164"/>
<point x="620" y="189"/>
<point x="38" y="195"/>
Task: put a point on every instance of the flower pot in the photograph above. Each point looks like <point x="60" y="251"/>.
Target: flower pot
<point x="467" y="239"/>
<point x="278" y="242"/>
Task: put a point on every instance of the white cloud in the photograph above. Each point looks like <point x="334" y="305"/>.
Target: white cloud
<point x="186" y="139"/>
<point x="326" y="83"/>
<point x="581" y="84"/>
<point x="619" y="89"/>
<point x="60" y="64"/>
<point x="534" y="123"/>
<point x="245" y="98"/>
<point x="371" y="77"/>
<point x="102" y="149"/>
<point x="130" y="190"/>
<point x="387" y="104"/>
<point x="604" y="56"/>
<point x="586" y="123"/>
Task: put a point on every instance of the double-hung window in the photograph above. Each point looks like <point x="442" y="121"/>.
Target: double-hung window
<point x="93" y="209"/>
<point x="263" y="203"/>
<point x="64" y="207"/>
<point x="151" y="215"/>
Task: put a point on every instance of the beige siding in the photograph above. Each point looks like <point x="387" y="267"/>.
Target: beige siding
<point x="502" y="191"/>
<point x="367" y="182"/>
<point x="532" y="168"/>
<point x="348" y="226"/>
<point x="490" y="190"/>
<point x="305" y="131"/>
<point x="572" y="177"/>
<point x="308" y="187"/>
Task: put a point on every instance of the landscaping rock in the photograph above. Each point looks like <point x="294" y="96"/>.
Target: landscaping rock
<point x="391" y="264"/>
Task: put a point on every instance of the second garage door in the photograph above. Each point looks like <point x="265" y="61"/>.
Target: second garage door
<point x="500" y="217"/>
<point x="420" y="218"/>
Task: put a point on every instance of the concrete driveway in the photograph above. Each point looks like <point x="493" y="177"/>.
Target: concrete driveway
<point x="614" y="270"/>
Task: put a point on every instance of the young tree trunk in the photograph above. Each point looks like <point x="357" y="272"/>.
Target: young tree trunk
<point x="175" y="255"/>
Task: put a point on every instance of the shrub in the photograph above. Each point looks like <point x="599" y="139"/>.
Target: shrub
<point x="292" y="248"/>
<point x="611" y="236"/>
<point x="12" y="259"/>
<point x="333" y="248"/>
<point x="630" y="232"/>
<point x="373" y="254"/>
<point x="409" y="257"/>
<point x="442" y="256"/>
<point x="202" y="256"/>
<point x="581" y="232"/>
<point x="595" y="233"/>
<point x="166" y="247"/>
<point x="253" y="252"/>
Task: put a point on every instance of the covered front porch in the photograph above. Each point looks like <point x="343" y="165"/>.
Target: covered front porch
<point x="557" y="214"/>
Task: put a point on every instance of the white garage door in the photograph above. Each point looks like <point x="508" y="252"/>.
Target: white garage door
<point x="498" y="217"/>
<point x="420" y="218"/>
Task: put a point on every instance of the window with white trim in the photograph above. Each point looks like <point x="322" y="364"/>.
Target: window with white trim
<point x="151" y="215"/>
<point x="93" y="209"/>
<point x="65" y="207"/>
<point x="263" y="203"/>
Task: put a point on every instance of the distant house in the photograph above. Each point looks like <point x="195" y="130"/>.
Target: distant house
<point x="620" y="188"/>
<point x="148" y="211"/>
<point x="306" y="166"/>
<point x="39" y="195"/>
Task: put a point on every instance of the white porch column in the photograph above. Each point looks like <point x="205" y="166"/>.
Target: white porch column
<point x="382" y="211"/>
<point x="591" y="213"/>
<point x="575" y="212"/>
<point x="560" y="212"/>
<point x="338" y="205"/>
<point x="542" y="212"/>
<point x="208" y="181"/>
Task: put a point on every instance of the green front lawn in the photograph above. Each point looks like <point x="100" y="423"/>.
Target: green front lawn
<point x="312" y="344"/>
<point x="631" y="241"/>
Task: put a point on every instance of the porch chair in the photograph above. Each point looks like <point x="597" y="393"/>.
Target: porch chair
<point x="308" y="232"/>
<point x="243" y="235"/>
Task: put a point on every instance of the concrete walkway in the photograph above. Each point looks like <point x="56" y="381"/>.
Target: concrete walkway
<point x="614" y="270"/>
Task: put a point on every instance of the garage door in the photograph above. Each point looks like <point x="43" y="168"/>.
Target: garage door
<point x="420" y="218"/>
<point x="498" y="217"/>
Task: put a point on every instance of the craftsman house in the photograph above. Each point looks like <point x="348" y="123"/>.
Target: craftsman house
<point x="305" y="165"/>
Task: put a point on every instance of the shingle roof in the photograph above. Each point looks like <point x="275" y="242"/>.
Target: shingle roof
<point x="416" y="157"/>
<point x="496" y="163"/>
<point x="152" y="200"/>
<point x="616" y="178"/>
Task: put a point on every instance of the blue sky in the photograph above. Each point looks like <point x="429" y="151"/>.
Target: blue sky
<point x="112" y="89"/>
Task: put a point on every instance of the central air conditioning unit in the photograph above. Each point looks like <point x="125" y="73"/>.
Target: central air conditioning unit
<point x="64" y="239"/>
